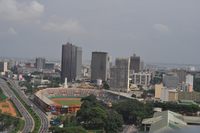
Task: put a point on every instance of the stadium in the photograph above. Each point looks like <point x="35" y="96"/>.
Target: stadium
<point x="64" y="100"/>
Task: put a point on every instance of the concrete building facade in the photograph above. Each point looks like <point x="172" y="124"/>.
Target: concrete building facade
<point x="158" y="90"/>
<point x="134" y="63"/>
<point x="165" y="94"/>
<point x="170" y="80"/>
<point x="49" y="65"/>
<point x="71" y="62"/>
<point x="78" y="63"/>
<point x="189" y="82"/>
<point x="3" y="67"/>
<point x="40" y="63"/>
<point x="181" y="74"/>
<point x="119" y="80"/>
<point x="141" y="78"/>
<point x="99" y="66"/>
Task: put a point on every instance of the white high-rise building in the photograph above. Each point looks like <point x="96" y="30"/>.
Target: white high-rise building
<point x="189" y="82"/>
<point x="3" y="67"/>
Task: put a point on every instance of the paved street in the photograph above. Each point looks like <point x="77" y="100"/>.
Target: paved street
<point x="29" y="122"/>
<point x="42" y="115"/>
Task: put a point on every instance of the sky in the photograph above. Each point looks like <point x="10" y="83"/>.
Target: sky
<point x="165" y="31"/>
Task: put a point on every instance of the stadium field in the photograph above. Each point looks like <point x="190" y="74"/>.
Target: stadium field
<point x="67" y="101"/>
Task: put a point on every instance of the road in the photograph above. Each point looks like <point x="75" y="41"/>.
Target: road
<point x="44" y="121"/>
<point x="29" y="122"/>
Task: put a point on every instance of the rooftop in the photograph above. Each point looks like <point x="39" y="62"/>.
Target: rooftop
<point x="165" y="121"/>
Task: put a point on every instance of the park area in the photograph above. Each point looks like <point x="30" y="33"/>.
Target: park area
<point x="67" y="101"/>
<point x="7" y="107"/>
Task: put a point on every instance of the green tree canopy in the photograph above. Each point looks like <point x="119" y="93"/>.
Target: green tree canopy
<point x="68" y="130"/>
<point x="133" y="111"/>
<point x="94" y="116"/>
<point x="113" y="122"/>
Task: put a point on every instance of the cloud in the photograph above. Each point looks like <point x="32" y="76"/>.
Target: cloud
<point x="13" y="10"/>
<point x="68" y="27"/>
<point x="8" y="31"/>
<point x="12" y="31"/>
<point x="161" y="27"/>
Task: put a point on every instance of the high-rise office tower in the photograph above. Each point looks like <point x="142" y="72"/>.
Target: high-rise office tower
<point x="119" y="76"/>
<point x="99" y="66"/>
<point x="135" y="63"/>
<point x="40" y="63"/>
<point x="71" y="62"/>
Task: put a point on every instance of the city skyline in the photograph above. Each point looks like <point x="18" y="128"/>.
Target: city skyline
<point x="148" y="29"/>
<point x="108" y="66"/>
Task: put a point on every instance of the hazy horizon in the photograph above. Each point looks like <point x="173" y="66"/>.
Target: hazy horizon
<point x="158" y="31"/>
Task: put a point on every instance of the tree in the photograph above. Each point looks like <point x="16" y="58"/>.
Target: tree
<point x="113" y="122"/>
<point x="77" y="129"/>
<point x="90" y="98"/>
<point x="180" y="108"/>
<point x="6" y="122"/>
<point x="106" y="86"/>
<point x="92" y="118"/>
<point x="156" y="80"/>
<point x="133" y="111"/>
<point x="197" y="84"/>
<point x="93" y="115"/>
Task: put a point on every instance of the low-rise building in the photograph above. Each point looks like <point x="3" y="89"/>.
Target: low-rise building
<point x="195" y="96"/>
<point x="165" y="94"/>
<point x="158" y="90"/>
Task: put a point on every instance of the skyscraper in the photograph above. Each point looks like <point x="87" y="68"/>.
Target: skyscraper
<point x="71" y="62"/>
<point x="40" y="63"/>
<point x="99" y="66"/>
<point x="78" y="62"/>
<point x="135" y="63"/>
<point x="119" y="76"/>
